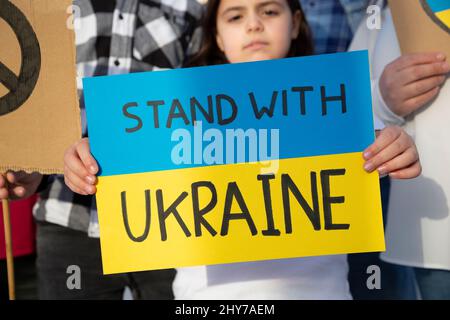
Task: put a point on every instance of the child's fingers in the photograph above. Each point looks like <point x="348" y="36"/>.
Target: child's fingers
<point x="11" y="177"/>
<point x="392" y="150"/>
<point x="404" y="160"/>
<point x="18" y="191"/>
<point x="420" y="87"/>
<point x="423" y="71"/>
<point x="384" y="138"/>
<point x="408" y="173"/>
<point x="84" y="152"/>
<point x="73" y="187"/>
<point x="417" y="58"/>
<point x="6" y="182"/>
<point x="78" y="183"/>
<point x="74" y="164"/>
<point x="8" y="187"/>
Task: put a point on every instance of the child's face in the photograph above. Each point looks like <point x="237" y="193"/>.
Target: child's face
<point x="252" y="30"/>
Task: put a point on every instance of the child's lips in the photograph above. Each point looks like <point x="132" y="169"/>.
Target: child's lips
<point x="255" y="45"/>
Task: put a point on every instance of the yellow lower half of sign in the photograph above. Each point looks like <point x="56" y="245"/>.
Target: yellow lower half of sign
<point x="239" y="212"/>
<point x="444" y="16"/>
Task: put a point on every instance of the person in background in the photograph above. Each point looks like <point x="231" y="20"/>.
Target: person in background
<point x="112" y="37"/>
<point x="397" y="282"/>
<point x="333" y="25"/>
<point x="413" y="91"/>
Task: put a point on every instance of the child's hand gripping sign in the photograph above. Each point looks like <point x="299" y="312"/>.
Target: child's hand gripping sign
<point x="234" y="163"/>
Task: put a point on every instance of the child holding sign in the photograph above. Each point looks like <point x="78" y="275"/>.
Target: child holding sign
<point x="252" y="30"/>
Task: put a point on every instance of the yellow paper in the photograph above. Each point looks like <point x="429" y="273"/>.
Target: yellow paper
<point x="360" y="209"/>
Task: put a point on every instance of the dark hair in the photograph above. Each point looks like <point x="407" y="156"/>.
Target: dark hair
<point x="210" y="54"/>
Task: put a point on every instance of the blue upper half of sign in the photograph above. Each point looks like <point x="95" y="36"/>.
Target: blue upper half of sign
<point x="133" y="101"/>
<point x="438" y="5"/>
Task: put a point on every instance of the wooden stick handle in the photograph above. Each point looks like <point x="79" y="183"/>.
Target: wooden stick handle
<point x="9" y="253"/>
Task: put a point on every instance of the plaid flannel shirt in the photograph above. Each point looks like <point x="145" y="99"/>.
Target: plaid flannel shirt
<point x="333" y="22"/>
<point x="115" y="37"/>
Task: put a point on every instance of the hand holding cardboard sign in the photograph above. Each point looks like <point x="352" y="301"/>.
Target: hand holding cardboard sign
<point x="393" y="152"/>
<point x="412" y="80"/>
<point x="80" y="168"/>
<point x="19" y="185"/>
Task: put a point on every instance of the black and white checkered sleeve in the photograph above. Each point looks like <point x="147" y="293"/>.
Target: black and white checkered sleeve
<point x="165" y="31"/>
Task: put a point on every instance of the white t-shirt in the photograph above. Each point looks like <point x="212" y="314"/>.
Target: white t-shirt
<point x="323" y="277"/>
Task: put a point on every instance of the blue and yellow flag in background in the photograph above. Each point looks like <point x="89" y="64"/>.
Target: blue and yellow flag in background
<point x="439" y="11"/>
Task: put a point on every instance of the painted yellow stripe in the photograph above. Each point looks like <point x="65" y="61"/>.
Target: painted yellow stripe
<point x="361" y="210"/>
<point x="444" y="16"/>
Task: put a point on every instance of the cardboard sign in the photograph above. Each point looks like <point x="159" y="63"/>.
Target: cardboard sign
<point x="39" y="114"/>
<point x="422" y="25"/>
<point x="234" y="163"/>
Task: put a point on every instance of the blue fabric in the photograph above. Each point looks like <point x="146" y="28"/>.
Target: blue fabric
<point x="433" y="284"/>
<point x="333" y="22"/>
<point x="397" y="282"/>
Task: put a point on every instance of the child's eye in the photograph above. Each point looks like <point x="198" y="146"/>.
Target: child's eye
<point x="234" y="18"/>
<point x="270" y="12"/>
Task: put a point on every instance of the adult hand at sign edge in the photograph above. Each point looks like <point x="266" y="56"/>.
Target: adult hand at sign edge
<point x="80" y="168"/>
<point x="393" y="152"/>
<point x="19" y="184"/>
<point x="412" y="80"/>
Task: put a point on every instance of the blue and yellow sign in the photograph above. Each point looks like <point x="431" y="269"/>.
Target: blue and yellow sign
<point x="439" y="12"/>
<point x="233" y="163"/>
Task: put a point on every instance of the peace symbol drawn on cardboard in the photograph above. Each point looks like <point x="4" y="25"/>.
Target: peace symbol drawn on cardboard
<point x="20" y="87"/>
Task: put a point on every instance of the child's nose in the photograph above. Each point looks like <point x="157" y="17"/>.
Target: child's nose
<point x="254" y="24"/>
